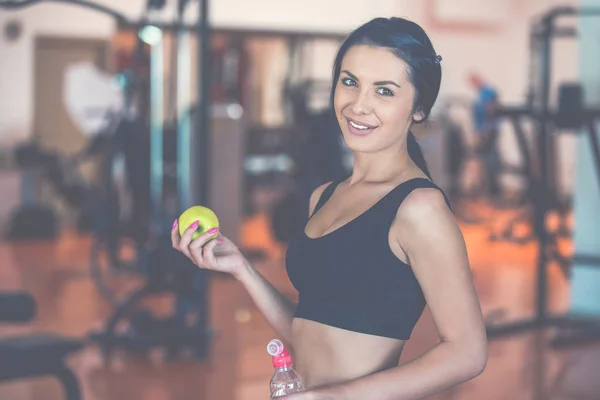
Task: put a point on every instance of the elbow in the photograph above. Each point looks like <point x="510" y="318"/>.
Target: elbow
<point x="478" y="364"/>
<point x="476" y="360"/>
<point x="470" y="358"/>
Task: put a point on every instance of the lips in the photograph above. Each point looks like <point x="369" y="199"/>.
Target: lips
<point x="359" y="128"/>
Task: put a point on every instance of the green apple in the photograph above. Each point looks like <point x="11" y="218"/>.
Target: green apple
<point x="207" y="220"/>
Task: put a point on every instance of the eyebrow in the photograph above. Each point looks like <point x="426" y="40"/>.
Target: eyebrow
<point x="379" y="83"/>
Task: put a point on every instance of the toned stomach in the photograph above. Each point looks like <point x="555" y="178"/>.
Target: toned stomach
<point x="328" y="355"/>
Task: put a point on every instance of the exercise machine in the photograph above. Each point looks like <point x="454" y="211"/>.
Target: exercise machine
<point x="509" y="233"/>
<point x="574" y="330"/>
<point x="172" y="274"/>
<point x="458" y="155"/>
<point x="173" y="175"/>
<point x="35" y="355"/>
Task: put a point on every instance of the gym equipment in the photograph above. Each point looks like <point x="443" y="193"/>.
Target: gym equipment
<point x="37" y="221"/>
<point x="460" y="153"/>
<point x="176" y="157"/>
<point x="62" y="173"/>
<point x="98" y="204"/>
<point x="515" y="115"/>
<point x="576" y="330"/>
<point x="135" y="328"/>
<point x="457" y="154"/>
<point x="128" y="141"/>
<point x="35" y="355"/>
<point x="180" y="166"/>
<point x="172" y="175"/>
<point x="17" y="307"/>
<point x="115" y="230"/>
<point x="556" y="203"/>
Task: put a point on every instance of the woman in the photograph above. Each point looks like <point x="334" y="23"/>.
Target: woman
<point x="377" y="246"/>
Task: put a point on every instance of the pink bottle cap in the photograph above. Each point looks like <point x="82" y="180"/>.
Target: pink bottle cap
<point x="280" y="357"/>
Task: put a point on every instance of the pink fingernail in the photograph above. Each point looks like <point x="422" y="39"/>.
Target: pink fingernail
<point x="214" y="230"/>
<point x="174" y="223"/>
<point x="195" y="225"/>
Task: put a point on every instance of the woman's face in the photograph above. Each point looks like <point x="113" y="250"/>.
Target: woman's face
<point x="373" y="99"/>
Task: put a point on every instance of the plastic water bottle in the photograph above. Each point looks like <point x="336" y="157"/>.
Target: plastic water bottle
<point x="285" y="380"/>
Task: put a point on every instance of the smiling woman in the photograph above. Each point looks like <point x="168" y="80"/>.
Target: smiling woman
<point x="377" y="246"/>
<point x="409" y="70"/>
<point x="360" y="93"/>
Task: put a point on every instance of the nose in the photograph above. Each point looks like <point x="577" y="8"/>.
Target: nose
<point x="361" y="104"/>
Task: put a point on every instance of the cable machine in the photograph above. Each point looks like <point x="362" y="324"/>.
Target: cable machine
<point x="571" y="115"/>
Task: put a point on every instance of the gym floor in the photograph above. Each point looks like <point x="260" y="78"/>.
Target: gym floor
<point x="521" y="367"/>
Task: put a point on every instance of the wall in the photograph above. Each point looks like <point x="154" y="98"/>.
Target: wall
<point x="17" y="69"/>
<point x="330" y="15"/>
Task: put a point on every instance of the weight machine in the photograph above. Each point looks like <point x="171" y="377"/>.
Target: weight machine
<point x="571" y="115"/>
<point x="516" y="116"/>
<point x="35" y="355"/>
<point x="191" y="187"/>
<point x="165" y="269"/>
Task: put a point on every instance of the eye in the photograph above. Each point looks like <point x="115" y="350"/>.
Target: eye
<point x="385" y="91"/>
<point x="348" y="82"/>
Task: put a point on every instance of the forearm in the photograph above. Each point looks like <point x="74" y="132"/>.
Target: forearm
<point x="440" y="368"/>
<point x="277" y="308"/>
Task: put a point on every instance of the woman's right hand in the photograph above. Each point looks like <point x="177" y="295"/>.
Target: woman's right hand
<point x="219" y="254"/>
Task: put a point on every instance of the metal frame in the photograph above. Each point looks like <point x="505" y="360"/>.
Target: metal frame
<point x="542" y="35"/>
<point x="199" y="172"/>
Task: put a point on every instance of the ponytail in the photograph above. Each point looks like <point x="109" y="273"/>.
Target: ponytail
<point x="416" y="154"/>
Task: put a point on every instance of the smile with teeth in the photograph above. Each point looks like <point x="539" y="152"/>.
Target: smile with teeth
<point x="361" y="127"/>
<point x="358" y="128"/>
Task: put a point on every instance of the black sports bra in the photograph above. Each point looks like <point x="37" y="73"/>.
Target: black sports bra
<point x="351" y="279"/>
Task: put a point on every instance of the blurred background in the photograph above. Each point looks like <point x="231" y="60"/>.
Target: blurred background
<point x="115" y="116"/>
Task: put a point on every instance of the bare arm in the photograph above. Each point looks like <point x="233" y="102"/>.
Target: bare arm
<point x="277" y="308"/>
<point x="429" y="236"/>
<point x="224" y="256"/>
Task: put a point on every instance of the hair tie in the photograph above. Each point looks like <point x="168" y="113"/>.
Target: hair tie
<point x="437" y="59"/>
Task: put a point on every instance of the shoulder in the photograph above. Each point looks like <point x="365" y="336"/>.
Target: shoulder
<point x="423" y="209"/>
<point x="425" y="224"/>
<point x="316" y="195"/>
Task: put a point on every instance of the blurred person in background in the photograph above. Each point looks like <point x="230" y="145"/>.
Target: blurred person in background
<point x="377" y="246"/>
<point x="485" y="123"/>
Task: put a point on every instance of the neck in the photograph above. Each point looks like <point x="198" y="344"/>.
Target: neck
<point x="380" y="166"/>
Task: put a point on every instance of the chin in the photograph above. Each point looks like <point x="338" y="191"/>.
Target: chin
<point x="359" y="144"/>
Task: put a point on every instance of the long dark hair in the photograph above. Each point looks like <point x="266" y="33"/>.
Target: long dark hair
<point x="411" y="44"/>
